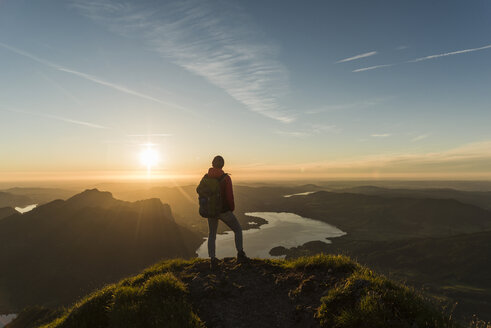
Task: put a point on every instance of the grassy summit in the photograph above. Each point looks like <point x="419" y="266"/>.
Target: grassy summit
<point x="318" y="291"/>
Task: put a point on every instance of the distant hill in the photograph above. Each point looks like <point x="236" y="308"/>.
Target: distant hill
<point x="321" y="291"/>
<point x="11" y="200"/>
<point x="7" y="211"/>
<point x="63" y="249"/>
<point x="388" y="218"/>
<point x="184" y="202"/>
<point x="41" y="195"/>
<point x="478" y="198"/>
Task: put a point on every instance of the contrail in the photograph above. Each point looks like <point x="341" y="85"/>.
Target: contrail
<point x="368" y="54"/>
<point x="371" y="67"/>
<point x="59" y="118"/>
<point x="458" y="52"/>
<point x="92" y="78"/>
<point x="449" y="54"/>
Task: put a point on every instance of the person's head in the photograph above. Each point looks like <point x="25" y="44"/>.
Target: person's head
<point x="218" y="162"/>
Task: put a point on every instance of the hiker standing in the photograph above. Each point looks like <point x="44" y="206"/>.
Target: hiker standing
<point x="217" y="203"/>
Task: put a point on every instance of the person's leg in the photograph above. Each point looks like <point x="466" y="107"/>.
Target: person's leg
<point x="212" y="236"/>
<point x="230" y="220"/>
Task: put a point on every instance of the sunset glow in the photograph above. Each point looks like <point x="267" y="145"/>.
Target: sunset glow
<point x="234" y="82"/>
<point x="149" y="157"/>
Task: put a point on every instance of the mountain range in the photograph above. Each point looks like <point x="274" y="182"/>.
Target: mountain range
<point x="63" y="249"/>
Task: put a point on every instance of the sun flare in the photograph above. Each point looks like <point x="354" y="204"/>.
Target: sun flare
<point x="149" y="157"/>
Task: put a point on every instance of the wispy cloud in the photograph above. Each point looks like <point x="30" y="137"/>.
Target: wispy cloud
<point x="470" y="160"/>
<point x="59" y="118"/>
<point x="118" y="87"/>
<point x="367" y="54"/>
<point x="371" y="68"/>
<point x="219" y="45"/>
<point x="63" y="89"/>
<point x="380" y="135"/>
<point x="69" y="120"/>
<point x="91" y="78"/>
<point x="324" y="128"/>
<point x="352" y="105"/>
<point x="312" y="129"/>
<point x="458" y="52"/>
<point x="296" y="134"/>
<point x="420" y="137"/>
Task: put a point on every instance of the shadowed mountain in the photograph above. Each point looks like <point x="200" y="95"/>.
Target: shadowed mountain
<point x="10" y="200"/>
<point x="455" y="267"/>
<point x="384" y="218"/>
<point x="440" y="244"/>
<point x="478" y="198"/>
<point x="184" y="202"/>
<point x="63" y="249"/>
<point x="6" y="211"/>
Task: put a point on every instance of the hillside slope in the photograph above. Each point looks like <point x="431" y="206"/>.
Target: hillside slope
<point x="41" y="195"/>
<point x="384" y="218"/>
<point x="184" y="202"/>
<point x="456" y="268"/>
<point x="6" y="211"/>
<point x="477" y="198"/>
<point x="320" y="291"/>
<point x="11" y="200"/>
<point x="64" y="249"/>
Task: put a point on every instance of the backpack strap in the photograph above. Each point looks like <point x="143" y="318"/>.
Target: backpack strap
<point x="222" y="177"/>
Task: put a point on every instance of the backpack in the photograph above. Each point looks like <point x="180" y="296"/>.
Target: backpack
<point x="209" y="196"/>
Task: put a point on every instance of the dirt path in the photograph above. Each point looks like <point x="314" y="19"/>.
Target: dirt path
<point x="255" y="294"/>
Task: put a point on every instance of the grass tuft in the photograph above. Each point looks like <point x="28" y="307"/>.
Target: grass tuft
<point x="356" y="297"/>
<point x="335" y="263"/>
<point x="369" y="300"/>
<point x="159" y="301"/>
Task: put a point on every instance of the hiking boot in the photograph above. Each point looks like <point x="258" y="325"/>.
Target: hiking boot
<point x="213" y="263"/>
<point x="241" y="257"/>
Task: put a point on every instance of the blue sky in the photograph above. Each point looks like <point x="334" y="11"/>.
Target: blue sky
<point x="311" y="88"/>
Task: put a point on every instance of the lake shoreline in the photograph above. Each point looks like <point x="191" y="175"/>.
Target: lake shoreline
<point x="282" y="229"/>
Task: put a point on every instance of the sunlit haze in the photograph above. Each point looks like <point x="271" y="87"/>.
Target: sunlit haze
<point x="281" y="89"/>
<point x="149" y="157"/>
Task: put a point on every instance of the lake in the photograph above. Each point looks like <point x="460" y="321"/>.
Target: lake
<point x="299" y="194"/>
<point x="26" y="209"/>
<point x="6" y="318"/>
<point x="283" y="229"/>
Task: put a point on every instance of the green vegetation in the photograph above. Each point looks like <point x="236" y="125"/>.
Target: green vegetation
<point x="323" y="290"/>
<point x="433" y="243"/>
<point x="369" y="300"/>
<point x="159" y="301"/>
<point x="336" y="263"/>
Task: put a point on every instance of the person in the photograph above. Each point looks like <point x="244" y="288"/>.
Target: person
<point x="226" y="215"/>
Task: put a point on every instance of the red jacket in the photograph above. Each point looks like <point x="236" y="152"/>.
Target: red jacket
<point x="225" y="187"/>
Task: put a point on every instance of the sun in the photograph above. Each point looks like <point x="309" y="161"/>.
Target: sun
<point x="149" y="157"/>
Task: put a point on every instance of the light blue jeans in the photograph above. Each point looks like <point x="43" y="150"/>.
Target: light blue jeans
<point x="231" y="221"/>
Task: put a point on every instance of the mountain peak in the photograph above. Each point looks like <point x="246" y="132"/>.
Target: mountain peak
<point x="319" y="291"/>
<point x="94" y="193"/>
<point x="93" y="197"/>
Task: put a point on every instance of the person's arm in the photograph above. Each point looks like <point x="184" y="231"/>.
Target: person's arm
<point x="230" y="193"/>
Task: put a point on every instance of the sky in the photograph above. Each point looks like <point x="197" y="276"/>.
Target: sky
<point x="281" y="89"/>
